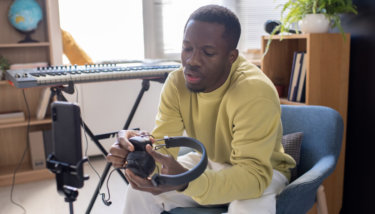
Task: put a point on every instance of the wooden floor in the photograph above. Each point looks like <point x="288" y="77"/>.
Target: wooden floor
<point x="41" y="197"/>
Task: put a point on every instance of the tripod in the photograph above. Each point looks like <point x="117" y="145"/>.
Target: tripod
<point x="57" y="91"/>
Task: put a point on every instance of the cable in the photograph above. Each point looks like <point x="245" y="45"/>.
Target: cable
<point x="23" y="155"/>
<point x="88" y="159"/>
<point x="106" y="202"/>
<point x="85" y="134"/>
<point x="83" y="123"/>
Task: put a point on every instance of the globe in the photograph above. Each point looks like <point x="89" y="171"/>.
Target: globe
<point x="24" y="16"/>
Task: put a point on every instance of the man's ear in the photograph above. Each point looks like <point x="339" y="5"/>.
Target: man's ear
<point x="233" y="54"/>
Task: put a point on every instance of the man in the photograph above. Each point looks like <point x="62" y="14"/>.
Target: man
<point x="230" y="106"/>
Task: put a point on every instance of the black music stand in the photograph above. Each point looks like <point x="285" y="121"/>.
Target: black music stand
<point x="70" y="90"/>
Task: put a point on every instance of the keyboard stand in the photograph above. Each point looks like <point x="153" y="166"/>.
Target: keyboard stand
<point x="57" y="91"/>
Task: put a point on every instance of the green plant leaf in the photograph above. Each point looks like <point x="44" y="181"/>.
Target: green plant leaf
<point x="4" y="63"/>
<point x="295" y="10"/>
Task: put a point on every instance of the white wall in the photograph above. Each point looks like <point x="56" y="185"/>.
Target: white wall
<point x="105" y="107"/>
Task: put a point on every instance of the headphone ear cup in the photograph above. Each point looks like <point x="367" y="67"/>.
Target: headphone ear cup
<point x="140" y="163"/>
<point x="270" y="25"/>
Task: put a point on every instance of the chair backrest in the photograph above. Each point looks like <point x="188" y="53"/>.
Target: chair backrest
<point x="322" y="129"/>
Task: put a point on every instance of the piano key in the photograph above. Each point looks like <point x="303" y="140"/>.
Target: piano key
<point x="59" y="75"/>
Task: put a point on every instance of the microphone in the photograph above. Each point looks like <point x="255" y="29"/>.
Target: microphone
<point x="270" y="25"/>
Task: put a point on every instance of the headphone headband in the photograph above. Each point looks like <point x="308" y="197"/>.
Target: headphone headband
<point x="187" y="176"/>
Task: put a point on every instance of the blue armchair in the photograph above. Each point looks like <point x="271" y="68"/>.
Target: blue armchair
<point x="322" y="129"/>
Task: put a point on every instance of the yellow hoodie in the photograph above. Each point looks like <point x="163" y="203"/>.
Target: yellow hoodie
<point x="238" y="123"/>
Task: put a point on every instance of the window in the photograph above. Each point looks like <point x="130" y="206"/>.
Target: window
<point x="165" y="26"/>
<point x="106" y="30"/>
<point x="253" y="14"/>
<point x="126" y="30"/>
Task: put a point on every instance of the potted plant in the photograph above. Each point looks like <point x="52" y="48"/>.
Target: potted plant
<point x="323" y="12"/>
<point x="4" y="65"/>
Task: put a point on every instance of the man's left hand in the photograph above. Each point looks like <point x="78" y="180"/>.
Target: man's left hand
<point x="169" y="166"/>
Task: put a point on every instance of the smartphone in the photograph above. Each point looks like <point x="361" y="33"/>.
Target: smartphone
<point x="67" y="147"/>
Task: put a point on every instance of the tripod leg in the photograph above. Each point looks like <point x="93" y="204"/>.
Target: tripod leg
<point x="100" y="184"/>
<point x="102" y="149"/>
<point x="145" y="87"/>
<point x="71" y="207"/>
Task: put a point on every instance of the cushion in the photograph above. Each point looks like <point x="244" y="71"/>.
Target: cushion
<point x="292" y="146"/>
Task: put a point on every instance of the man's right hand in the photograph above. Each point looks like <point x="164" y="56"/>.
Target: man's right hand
<point x="120" y="149"/>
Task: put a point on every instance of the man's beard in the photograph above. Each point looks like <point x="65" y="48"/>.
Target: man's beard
<point x="194" y="90"/>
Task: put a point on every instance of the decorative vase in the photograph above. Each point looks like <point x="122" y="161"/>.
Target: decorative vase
<point x="314" y="23"/>
<point x="24" y="16"/>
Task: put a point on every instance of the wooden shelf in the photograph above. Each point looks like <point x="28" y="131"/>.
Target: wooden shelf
<point x="327" y="80"/>
<point x="4" y="82"/>
<point x="291" y="36"/>
<point x="33" y="122"/>
<point x="24" y="45"/>
<point x="14" y="135"/>
<point x="24" y="175"/>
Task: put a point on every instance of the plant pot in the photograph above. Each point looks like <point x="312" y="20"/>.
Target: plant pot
<point x="314" y="23"/>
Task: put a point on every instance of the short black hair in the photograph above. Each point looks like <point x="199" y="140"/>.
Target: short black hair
<point x="221" y="15"/>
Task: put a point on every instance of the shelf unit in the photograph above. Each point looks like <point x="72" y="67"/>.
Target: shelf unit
<point x="327" y="83"/>
<point x="13" y="136"/>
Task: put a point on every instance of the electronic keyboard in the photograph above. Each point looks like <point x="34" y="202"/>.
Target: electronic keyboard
<point x="61" y="75"/>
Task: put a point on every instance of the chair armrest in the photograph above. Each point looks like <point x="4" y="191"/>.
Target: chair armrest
<point x="299" y="196"/>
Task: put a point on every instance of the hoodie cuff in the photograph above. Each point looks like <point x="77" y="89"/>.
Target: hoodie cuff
<point x="197" y="187"/>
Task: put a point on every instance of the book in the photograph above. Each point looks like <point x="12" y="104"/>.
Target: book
<point x="303" y="96"/>
<point x="44" y="102"/>
<point x="297" y="83"/>
<point x="12" y="117"/>
<point x="302" y="82"/>
<point x="294" y="74"/>
<point x="47" y="139"/>
<point x="38" y="160"/>
<point x="291" y="76"/>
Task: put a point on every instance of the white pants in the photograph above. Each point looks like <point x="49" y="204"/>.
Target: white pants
<point x="143" y="202"/>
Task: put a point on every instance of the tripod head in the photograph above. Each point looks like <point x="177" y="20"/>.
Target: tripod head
<point x="61" y="169"/>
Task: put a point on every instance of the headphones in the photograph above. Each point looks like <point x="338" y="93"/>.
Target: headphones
<point x="270" y="26"/>
<point x="142" y="163"/>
